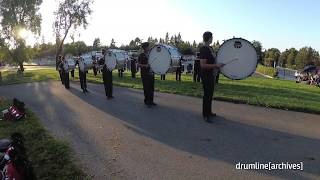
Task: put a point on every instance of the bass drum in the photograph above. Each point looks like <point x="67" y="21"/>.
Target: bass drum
<point x="85" y="63"/>
<point x="164" y="59"/>
<point x="69" y="63"/>
<point x="240" y="58"/>
<point x="115" y="59"/>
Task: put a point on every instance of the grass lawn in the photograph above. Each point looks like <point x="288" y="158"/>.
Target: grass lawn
<point x="273" y="93"/>
<point x="51" y="159"/>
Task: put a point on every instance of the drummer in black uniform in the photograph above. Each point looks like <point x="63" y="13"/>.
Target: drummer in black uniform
<point x="83" y="77"/>
<point x="59" y="67"/>
<point x="133" y="66"/>
<point x="147" y="75"/>
<point x="65" y="74"/>
<point x="106" y="76"/>
<point x="209" y="69"/>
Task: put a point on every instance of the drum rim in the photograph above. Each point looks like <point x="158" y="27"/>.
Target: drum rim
<point x="163" y="45"/>
<point x="250" y="45"/>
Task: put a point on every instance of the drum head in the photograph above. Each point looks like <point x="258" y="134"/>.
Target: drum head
<point x="160" y="59"/>
<point x="240" y="58"/>
<point x="81" y="66"/>
<point x="110" y="60"/>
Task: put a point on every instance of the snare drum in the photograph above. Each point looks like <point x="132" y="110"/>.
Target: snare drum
<point x="164" y="59"/>
<point x="240" y="58"/>
<point x="115" y="59"/>
<point x="85" y="62"/>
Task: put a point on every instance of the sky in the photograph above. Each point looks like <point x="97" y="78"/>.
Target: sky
<point x="275" y="23"/>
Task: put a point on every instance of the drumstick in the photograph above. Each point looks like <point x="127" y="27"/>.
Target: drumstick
<point x="235" y="59"/>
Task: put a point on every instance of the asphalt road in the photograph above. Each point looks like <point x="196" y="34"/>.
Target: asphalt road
<point x="122" y="139"/>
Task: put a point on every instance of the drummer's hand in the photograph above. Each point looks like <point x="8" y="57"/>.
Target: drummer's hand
<point x="220" y="65"/>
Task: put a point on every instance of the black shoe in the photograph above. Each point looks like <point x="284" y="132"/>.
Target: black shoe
<point x="86" y="90"/>
<point x="153" y="104"/>
<point x="148" y="105"/>
<point x="110" y="97"/>
<point x="213" y="115"/>
<point x="208" y="120"/>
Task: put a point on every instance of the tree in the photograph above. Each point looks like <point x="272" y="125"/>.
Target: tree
<point x="75" y="48"/>
<point x="71" y="15"/>
<point x="271" y="56"/>
<point x="113" y="44"/>
<point x="216" y="46"/>
<point x="18" y="17"/>
<point x="96" y="44"/>
<point x="258" y="46"/>
<point x="306" y="56"/>
<point x="166" y="40"/>
<point x="283" y="58"/>
<point x="291" y="59"/>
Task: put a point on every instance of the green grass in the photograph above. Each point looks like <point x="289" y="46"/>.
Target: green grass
<point x="51" y="159"/>
<point x="270" y="71"/>
<point x="280" y="94"/>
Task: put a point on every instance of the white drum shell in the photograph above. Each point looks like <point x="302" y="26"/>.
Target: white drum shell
<point x="85" y="63"/>
<point x="240" y="58"/>
<point x="115" y="59"/>
<point x="69" y="64"/>
<point x="164" y="59"/>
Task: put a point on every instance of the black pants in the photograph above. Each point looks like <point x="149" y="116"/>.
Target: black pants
<point x="133" y="74"/>
<point x="148" y="87"/>
<point x="95" y="71"/>
<point x="120" y="72"/>
<point x="196" y="76"/>
<point x="178" y="75"/>
<point x="83" y="79"/>
<point x="66" y="79"/>
<point x="72" y="73"/>
<point x="107" y="82"/>
<point x="61" y="76"/>
<point x="163" y="77"/>
<point x="208" y="82"/>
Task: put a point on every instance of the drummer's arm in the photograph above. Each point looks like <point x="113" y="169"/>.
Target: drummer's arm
<point x="140" y="59"/>
<point x="205" y="65"/>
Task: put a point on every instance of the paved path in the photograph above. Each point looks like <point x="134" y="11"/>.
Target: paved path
<point x="122" y="139"/>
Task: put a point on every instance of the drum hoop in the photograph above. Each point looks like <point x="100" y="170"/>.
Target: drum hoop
<point x="250" y="45"/>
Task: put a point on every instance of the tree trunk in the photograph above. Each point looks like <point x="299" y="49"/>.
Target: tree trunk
<point x="21" y="66"/>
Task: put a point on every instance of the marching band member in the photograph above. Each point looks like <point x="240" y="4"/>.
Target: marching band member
<point x="107" y="77"/>
<point x="179" y="71"/>
<point x="59" y="66"/>
<point x="147" y="75"/>
<point x="133" y="67"/>
<point x="82" y="76"/>
<point x="209" y="69"/>
<point x="65" y="74"/>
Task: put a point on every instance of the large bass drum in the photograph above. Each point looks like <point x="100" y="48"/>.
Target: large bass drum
<point x="115" y="59"/>
<point x="164" y="59"/>
<point x="240" y="58"/>
<point x="85" y="62"/>
<point x="69" y="63"/>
